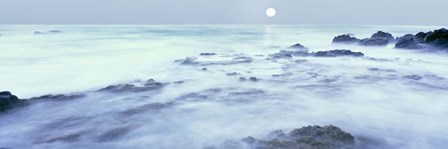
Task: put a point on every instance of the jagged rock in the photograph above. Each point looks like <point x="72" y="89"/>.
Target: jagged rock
<point x="374" y="42"/>
<point x="383" y="35"/>
<point x="58" y="97"/>
<point x="311" y="137"/>
<point x="335" y="53"/>
<point x="149" y="85"/>
<point x="437" y="39"/>
<point x="409" y="42"/>
<point x="9" y="101"/>
<point x="346" y="38"/>
<point x="298" y="46"/>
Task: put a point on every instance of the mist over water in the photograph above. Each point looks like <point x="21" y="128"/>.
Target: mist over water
<point x="377" y="97"/>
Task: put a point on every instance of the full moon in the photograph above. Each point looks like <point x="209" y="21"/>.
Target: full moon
<point x="270" y="12"/>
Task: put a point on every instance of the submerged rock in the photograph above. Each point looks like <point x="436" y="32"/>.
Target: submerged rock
<point x="311" y="137"/>
<point x="58" y="97"/>
<point x="335" y="53"/>
<point x="148" y="86"/>
<point x="9" y="101"/>
<point x="346" y="38"/>
<point x="207" y="54"/>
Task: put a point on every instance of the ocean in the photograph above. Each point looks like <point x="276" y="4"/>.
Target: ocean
<point x="394" y="97"/>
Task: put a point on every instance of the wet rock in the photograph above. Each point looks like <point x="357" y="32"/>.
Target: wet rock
<point x="408" y="42"/>
<point x="383" y="35"/>
<point x="234" y="60"/>
<point x="374" y="42"/>
<point x="65" y="138"/>
<point x="207" y="54"/>
<point x="253" y="79"/>
<point x="47" y="32"/>
<point x="280" y="55"/>
<point x="335" y="53"/>
<point x="311" y="137"/>
<point x="57" y="97"/>
<point x="9" y="101"/>
<point x="179" y="82"/>
<point x="437" y="39"/>
<point x="298" y="46"/>
<point x="413" y="77"/>
<point x="204" y="69"/>
<point x="232" y="74"/>
<point x="148" y="86"/>
<point x="154" y="107"/>
<point x="114" y="133"/>
<point x="38" y="32"/>
<point x="346" y="38"/>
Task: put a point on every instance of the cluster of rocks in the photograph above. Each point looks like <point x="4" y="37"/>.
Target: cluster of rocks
<point x="310" y="137"/>
<point x="380" y="38"/>
<point x="151" y="84"/>
<point x="299" y="50"/>
<point x="9" y="101"/>
<point x="195" y="61"/>
<point x="437" y="39"/>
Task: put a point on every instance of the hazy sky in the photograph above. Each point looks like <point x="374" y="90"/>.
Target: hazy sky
<point x="395" y="12"/>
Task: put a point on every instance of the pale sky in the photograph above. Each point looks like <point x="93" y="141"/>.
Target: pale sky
<point x="318" y="12"/>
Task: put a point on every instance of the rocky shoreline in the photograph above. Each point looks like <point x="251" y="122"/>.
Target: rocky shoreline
<point x="313" y="137"/>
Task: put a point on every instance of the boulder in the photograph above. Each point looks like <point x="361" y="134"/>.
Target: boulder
<point x="311" y="137"/>
<point x="9" y="101"/>
<point x="335" y="53"/>
<point x="409" y="41"/>
<point x="346" y="38"/>
<point x="298" y="46"/>
<point x="437" y="39"/>
<point x="374" y="42"/>
<point x="383" y="35"/>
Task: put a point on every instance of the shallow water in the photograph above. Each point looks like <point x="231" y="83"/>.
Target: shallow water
<point x="385" y="105"/>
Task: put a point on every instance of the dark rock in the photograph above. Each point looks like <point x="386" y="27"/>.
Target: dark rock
<point x="346" y="38"/>
<point x="253" y="79"/>
<point x="383" y="35"/>
<point x="280" y="55"/>
<point x="179" y="82"/>
<point x="204" y="69"/>
<point x="374" y="42"/>
<point x="335" y="53"/>
<point x="9" y="101"/>
<point x="58" y="97"/>
<point x="207" y="54"/>
<point x="311" y="137"/>
<point x="437" y="39"/>
<point x="409" y="42"/>
<point x="114" y="133"/>
<point x="148" y="86"/>
<point x="153" y="107"/>
<point x="298" y="46"/>
<point x="232" y="74"/>
<point x="413" y="77"/>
